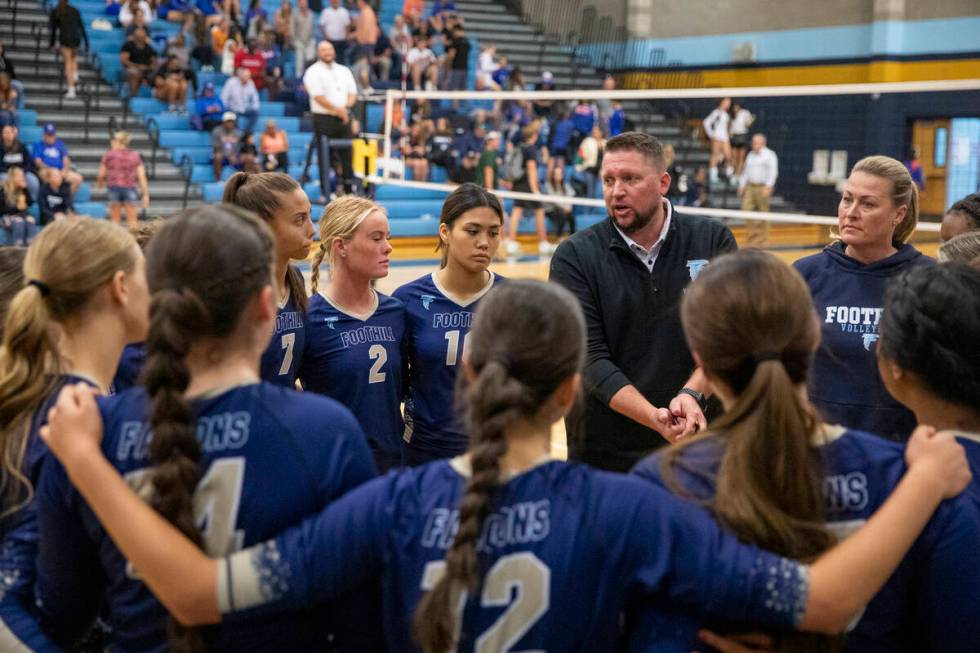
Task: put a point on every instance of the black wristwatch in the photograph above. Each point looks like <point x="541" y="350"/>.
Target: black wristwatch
<point x="698" y="397"/>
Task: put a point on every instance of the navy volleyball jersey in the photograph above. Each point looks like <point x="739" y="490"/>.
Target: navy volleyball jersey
<point x="270" y="457"/>
<point x="130" y="366"/>
<point x="356" y="359"/>
<point x="19" y="529"/>
<point x="281" y="361"/>
<point x="565" y="548"/>
<point x="930" y="603"/>
<point x="848" y="296"/>
<point x="436" y="328"/>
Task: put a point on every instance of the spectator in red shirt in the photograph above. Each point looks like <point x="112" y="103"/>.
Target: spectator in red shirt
<point x="253" y="61"/>
<point x="123" y="169"/>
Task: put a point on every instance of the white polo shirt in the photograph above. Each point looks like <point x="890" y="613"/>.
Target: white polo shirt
<point x="335" y="82"/>
<point x="334" y="23"/>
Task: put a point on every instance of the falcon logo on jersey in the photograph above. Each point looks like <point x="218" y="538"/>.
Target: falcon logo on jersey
<point x="331" y="321"/>
<point x="695" y="266"/>
<point x="427" y="301"/>
<point x="870" y="339"/>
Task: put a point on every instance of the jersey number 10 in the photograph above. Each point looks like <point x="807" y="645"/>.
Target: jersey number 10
<point x="452" y="349"/>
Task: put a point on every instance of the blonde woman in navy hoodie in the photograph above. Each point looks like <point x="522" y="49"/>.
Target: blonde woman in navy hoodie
<point x="877" y="215"/>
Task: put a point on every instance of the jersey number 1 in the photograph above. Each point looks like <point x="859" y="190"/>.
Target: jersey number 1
<point x="519" y="581"/>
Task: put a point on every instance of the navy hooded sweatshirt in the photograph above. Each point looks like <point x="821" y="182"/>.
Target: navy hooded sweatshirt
<point x="848" y="296"/>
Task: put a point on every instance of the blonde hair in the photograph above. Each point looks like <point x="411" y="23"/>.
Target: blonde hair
<point x="904" y="193"/>
<point x="59" y="285"/>
<point x="340" y="219"/>
<point x="122" y="136"/>
<point x="10" y="189"/>
<point x="963" y="248"/>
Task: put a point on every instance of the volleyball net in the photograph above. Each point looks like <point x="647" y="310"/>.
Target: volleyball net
<point x="433" y="140"/>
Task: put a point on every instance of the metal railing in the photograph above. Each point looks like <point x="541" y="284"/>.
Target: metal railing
<point x="12" y="5"/>
<point x="153" y="130"/>
<point x="87" y="95"/>
<point x="186" y="165"/>
<point x="38" y="31"/>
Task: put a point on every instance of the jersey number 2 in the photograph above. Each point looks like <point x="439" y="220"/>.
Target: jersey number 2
<point x="520" y="582"/>
<point x="379" y="355"/>
<point x="288" y="342"/>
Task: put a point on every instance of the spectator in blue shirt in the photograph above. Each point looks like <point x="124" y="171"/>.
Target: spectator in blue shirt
<point x="583" y="119"/>
<point x="207" y="110"/>
<point x="177" y="11"/>
<point x="617" y="119"/>
<point x="561" y="136"/>
<point x="502" y="74"/>
<point x="51" y="152"/>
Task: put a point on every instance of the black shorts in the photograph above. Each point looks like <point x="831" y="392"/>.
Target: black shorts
<point x="523" y="186"/>
<point x="740" y="141"/>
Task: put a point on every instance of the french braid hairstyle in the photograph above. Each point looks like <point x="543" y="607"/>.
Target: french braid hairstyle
<point x="340" y="219"/>
<point x="527" y="338"/>
<point x="929" y="327"/>
<point x="193" y="296"/>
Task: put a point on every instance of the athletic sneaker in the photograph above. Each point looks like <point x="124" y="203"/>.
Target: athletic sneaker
<point x="546" y="249"/>
<point x="512" y="247"/>
<point x="70" y="93"/>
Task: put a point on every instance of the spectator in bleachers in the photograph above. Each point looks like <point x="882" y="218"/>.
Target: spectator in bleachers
<point x="176" y="11"/>
<point x="139" y="22"/>
<point x="112" y="8"/>
<point x="457" y="56"/>
<point x="8" y="101"/>
<point x="210" y="11"/>
<point x="560" y="145"/>
<point x="617" y="119"/>
<point x="485" y="67"/>
<point x="400" y="35"/>
<point x="414" y="152"/>
<point x="128" y="12"/>
<point x="383" y="58"/>
<point x="528" y="182"/>
<point x="366" y="30"/>
<point x="7" y="66"/>
<point x="233" y="45"/>
<point x="54" y="200"/>
<point x="472" y="140"/>
<point x="51" y="152"/>
<point x="501" y="74"/>
<point x="121" y="169"/>
<point x="255" y="18"/>
<point x="334" y="22"/>
<point x="696" y="193"/>
<point x="301" y="36"/>
<point x="604" y="105"/>
<point x="251" y="59"/>
<point x="226" y="145"/>
<point x="675" y="171"/>
<point x="413" y="10"/>
<point x="15" y="202"/>
<point x="239" y="95"/>
<point x="170" y="84"/>
<point x="177" y="47"/>
<point x="280" y="22"/>
<point x="516" y="81"/>
<point x="423" y="65"/>
<point x="272" y="56"/>
<point x="488" y="168"/>
<point x="443" y="9"/>
<point x="561" y="214"/>
<point x="583" y="120"/>
<point x="14" y="154"/>
<point x="439" y="149"/>
<point x="249" y="154"/>
<point x="545" y="108"/>
<point x="333" y="93"/>
<point x="139" y="60"/>
<point x="220" y="33"/>
<point x="274" y="147"/>
<point x="68" y="29"/>
<point x="208" y="110"/>
<point x="588" y="159"/>
<point x="233" y="10"/>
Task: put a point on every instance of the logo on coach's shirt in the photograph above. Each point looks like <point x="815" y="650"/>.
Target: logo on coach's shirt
<point x="695" y="266"/>
<point x="427" y="301"/>
<point x="855" y="319"/>
<point x="331" y="321"/>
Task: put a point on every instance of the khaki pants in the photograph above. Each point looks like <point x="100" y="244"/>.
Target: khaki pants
<point x="755" y="198"/>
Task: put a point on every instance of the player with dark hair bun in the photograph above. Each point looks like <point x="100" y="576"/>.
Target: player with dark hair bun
<point x="515" y="549"/>
<point x="228" y="459"/>
<point x="962" y="216"/>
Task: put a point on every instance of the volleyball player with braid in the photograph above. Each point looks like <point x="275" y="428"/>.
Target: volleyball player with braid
<point x="535" y="553"/>
<point x="279" y="200"/>
<point x="67" y="322"/>
<point x="772" y="473"/>
<point x="354" y="333"/>
<point x="439" y="308"/>
<point x="228" y="459"/>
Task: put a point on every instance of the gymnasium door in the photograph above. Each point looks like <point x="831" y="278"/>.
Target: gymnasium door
<point x="932" y="139"/>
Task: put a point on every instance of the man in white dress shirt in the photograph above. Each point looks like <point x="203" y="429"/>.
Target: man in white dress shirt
<point x="755" y="187"/>
<point x="334" y="21"/>
<point x="333" y="93"/>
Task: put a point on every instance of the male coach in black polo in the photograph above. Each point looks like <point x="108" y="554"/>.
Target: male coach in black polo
<point x="629" y="272"/>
